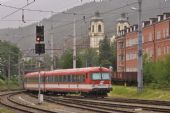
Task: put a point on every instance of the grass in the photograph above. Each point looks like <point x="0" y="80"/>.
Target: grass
<point x="12" y="85"/>
<point x="5" y="110"/>
<point x="131" y="92"/>
<point x="3" y="86"/>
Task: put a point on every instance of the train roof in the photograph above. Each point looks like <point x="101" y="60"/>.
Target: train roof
<point x="69" y="71"/>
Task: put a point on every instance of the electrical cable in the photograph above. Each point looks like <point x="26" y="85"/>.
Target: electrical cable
<point x="90" y="16"/>
<point x="17" y="10"/>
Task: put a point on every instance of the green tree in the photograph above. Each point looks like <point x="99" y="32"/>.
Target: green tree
<point x="113" y="59"/>
<point x="67" y="60"/>
<point x="89" y="57"/>
<point x="46" y="62"/>
<point x="30" y="65"/>
<point x="157" y="73"/>
<point x="9" y="55"/>
<point x="148" y="66"/>
<point x="107" y="55"/>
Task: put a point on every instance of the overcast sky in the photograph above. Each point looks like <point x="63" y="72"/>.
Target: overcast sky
<point x="52" y="5"/>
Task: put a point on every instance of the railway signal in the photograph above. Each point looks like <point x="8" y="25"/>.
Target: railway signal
<point x="39" y="49"/>
<point x="39" y="46"/>
<point x="39" y="33"/>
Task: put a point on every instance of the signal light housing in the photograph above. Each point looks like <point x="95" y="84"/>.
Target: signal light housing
<point x="39" y="48"/>
<point x="39" y="33"/>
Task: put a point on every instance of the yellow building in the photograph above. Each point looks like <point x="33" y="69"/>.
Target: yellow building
<point x="96" y="32"/>
<point x="122" y="24"/>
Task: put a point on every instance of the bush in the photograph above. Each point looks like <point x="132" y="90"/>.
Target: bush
<point x="156" y="74"/>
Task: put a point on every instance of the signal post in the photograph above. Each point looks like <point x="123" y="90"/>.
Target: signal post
<point x="39" y="49"/>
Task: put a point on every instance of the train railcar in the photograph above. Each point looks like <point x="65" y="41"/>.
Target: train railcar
<point x="87" y="81"/>
<point x="124" y="78"/>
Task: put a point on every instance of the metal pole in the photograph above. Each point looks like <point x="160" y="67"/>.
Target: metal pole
<point x="140" y="61"/>
<point x="9" y="70"/>
<point x="39" y="82"/>
<point x="19" y="71"/>
<point x="74" y="42"/>
<point x="52" y="44"/>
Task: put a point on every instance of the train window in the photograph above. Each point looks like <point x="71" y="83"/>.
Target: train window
<point x="47" y="79"/>
<point x="100" y="76"/>
<point x="59" y="80"/>
<point x="78" y="78"/>
<point x="105" y="76"/>
<point x="56" y="78"/>
<point x="96" y="76"/>
<point x="65" y="78"/>
<point x="62" y="80"/>
<point x="74" y="78"/>
<point x="41" y="79"/>
<point x="68" y="78"/>
<point x="50" y="79"/>
<point x="71" y="78"/>
<point x="82" y="78"/>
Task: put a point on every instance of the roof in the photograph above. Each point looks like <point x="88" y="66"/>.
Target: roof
<point x="69" y="71"/>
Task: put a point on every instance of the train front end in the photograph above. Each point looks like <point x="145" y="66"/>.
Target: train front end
<point x="100" y="81"/>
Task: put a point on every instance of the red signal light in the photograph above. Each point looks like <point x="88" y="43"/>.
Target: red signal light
<point x="38" y="39"/>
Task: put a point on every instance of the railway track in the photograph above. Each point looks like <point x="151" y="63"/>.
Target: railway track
<point x="110" y="105"/>
<point x="148" y="105"/>
<point x="126" y="100"/>
<point x="84" y="105"/>
<point x="7" y="101"/>
<point x="88" y="106"/>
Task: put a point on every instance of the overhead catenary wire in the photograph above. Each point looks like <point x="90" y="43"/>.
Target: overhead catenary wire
<point x="59" y="26"/>
<point x="17" y="10"/>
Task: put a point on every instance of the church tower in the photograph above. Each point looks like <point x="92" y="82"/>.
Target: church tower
<point x="122" y="24"/>
<point x="96" y="32"/>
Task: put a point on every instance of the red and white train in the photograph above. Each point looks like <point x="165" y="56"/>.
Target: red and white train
<point x="87" y="81"/>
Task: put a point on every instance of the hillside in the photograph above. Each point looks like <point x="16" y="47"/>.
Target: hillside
<point x="63" y="23"/>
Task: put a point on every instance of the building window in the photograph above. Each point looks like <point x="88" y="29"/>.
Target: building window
<point x="158" y="35"/>
<point x="92" y="28"/>
<point x="164" y="33"/>
<point x="150" y="36"/>
<point x="125" y="27"/>
<point x="121" y="45"/>
<point x="127" y="43"/>
<point x="99" y="28"/>
<point x="127" y="56"/>
<point x="142" y="39"/>
<point x="167" y="32"/>
<point x="150" y="52"/>
<point x="119" y="28"/>
<point x="167" y="48"/>
<point x="159" y="51"/>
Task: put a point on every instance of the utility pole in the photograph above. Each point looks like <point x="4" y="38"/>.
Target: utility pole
<point x="39" y="83"/>
<point x="9" y="70"/>
<point x="19" y="70"/>
<point x="52" y="44"/>
<point x="74" y="41"/>
<point x="140" y="60"/>
<point x="39" y="49"/>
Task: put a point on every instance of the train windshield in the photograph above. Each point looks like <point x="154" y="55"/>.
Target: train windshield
<point x="100" y="76"/>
